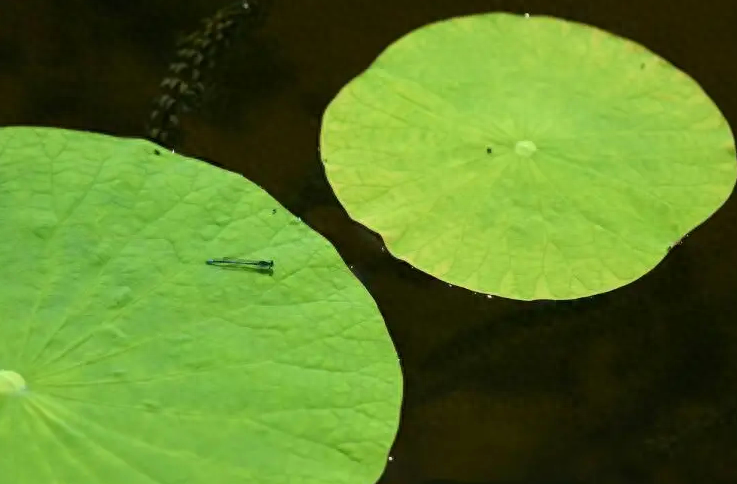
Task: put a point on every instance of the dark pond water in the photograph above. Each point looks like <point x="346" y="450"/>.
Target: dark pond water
<point x="637" y="385"/>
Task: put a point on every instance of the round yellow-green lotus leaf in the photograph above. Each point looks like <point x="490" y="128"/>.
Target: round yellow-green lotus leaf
<point x="125" y="358"/>
<point x="527" y="157"/>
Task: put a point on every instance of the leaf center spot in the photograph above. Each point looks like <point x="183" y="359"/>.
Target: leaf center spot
<point x="525" y="148"/>
<point x="11" y="382"/>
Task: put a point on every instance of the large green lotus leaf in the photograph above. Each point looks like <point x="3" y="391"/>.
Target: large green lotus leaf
<point x="531" y="158"/>
<point x="128" y="360"/>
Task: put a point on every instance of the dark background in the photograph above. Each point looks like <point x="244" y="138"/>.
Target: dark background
<point x="636" y="385"/>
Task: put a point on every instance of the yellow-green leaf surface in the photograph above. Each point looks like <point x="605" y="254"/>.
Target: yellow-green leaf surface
<point x="531" y="158"/>
<point x="126" y="359"/>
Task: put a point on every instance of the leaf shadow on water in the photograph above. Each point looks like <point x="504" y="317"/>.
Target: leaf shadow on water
<point x="636" y="377"/>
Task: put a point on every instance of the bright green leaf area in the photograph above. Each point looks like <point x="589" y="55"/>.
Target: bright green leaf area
<point x="126" y="359"/>
<point x="531" y="158"/>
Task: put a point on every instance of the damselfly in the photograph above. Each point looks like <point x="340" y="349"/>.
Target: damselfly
<point x="264" y="265"/>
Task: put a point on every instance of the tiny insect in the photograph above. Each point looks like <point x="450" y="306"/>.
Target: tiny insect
<point x="231" y="262"/>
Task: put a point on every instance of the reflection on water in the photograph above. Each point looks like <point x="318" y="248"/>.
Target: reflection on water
<point x="191" y="74"/>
